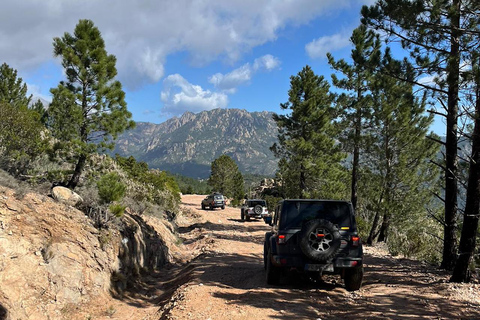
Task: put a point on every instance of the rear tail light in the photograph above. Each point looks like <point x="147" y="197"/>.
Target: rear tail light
<point x="355" y="241"/>
<point x="282" y="239"/>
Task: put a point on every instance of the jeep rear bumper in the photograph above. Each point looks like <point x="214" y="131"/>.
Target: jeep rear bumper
<point x="299" y="262"/>
<point x="254" y="215"/>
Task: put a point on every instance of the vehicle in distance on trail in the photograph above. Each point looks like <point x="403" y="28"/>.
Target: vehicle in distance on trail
<point x="254" y="208"/>
<point x="215" y="200"/>
<point x="313" y="237"/>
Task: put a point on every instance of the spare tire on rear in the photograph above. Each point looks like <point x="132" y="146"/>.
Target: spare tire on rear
<point x="319" y="240"/>
<point x="258" y="209"/>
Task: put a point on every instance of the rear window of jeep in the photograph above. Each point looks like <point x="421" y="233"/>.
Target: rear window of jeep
<point x="254" y="203"/>
<point x="295" y="213"/>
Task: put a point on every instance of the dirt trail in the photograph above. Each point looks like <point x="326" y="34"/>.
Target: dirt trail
<point x="227" y="281"/>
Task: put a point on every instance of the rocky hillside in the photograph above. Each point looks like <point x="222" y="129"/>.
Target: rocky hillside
<point x="187" y="145"/>
<point x="54" y="264"/>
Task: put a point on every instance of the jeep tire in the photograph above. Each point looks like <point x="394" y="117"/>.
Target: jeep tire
<point x="258" y="209"/>
<point x="320" y="240"/>
<point x="353" y="278"/>
<point x="272" y="272"/>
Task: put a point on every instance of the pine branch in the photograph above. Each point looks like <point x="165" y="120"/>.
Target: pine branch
<point x="438" y="165"/>
<point x="436" y="140"/>
<point x="439" y="220"/>
<point x="437" y="113"/>
<point x="436" y="237"/>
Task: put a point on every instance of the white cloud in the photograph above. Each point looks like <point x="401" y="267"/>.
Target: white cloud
<point x="318" y="48"/>
<point x="179" y="96"/>
<point x="230" y="81"/>
<point x="142" y="34"/>
<point x="267" y="62"/>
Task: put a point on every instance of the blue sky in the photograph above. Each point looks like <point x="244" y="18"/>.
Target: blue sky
<point x="177" y="55"/>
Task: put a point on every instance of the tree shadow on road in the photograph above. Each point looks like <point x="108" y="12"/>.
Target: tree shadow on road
<point x="241" y="232"/>
<point x="3" y="313"/>
<point x="399" y="295"/>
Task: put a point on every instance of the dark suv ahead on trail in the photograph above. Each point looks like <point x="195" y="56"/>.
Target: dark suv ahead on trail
<point x="314" y="237"/>
<point x="215" y="200"/>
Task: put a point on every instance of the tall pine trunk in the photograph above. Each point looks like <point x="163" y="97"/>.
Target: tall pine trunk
<point x="472" y="206"/>
<point x="451" y="188"/>
<point x="382" y="236"/>
<point x="72" y="184"/>
<point x="356" y="158"/>
<point x="302" y="183"/>
<point x="373" y="234"/>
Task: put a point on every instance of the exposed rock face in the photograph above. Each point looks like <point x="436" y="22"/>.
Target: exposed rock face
<point x="188" y="145"/>
<point x="66" y="196"/>
<point x="54" y="263"/>
<point x="49" y="248"/>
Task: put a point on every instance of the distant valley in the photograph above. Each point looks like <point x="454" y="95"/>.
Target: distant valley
<point x="187" y="145"/>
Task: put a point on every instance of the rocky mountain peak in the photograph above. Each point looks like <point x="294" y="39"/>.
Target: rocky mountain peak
<point x="188" y="144"/>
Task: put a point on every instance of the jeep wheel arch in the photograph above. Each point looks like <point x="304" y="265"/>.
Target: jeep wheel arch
<point x="319" y="240"/>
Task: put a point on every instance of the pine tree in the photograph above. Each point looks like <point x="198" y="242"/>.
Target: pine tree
<point x="40" y="111"/>
<point x="22" y="137"/>
<point x="437" y="34"/>
<point x="471" y="215"/>
<point x="310" y="158"/>
<point x="399" y="152"/>
<point x="88" y="110"/>
<point x="226" y="178"/>
<point x="12" y="89"/>
<point x="356" y="102"/>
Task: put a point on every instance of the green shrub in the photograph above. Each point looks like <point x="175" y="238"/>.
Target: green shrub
<point x="117" y="210"/>
<point x="271" y="202"/>
<point x="110" y="188"/>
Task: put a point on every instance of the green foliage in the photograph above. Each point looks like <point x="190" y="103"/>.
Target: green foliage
<point x="159" y="187"/>
<point x="401" y="178"/>
<point x="355" y="102"/>
<point x="310" y="159"/>
<point x="117" y="209"/>
<point x="136" y="170"/>
<point x="189" y="185"/>
<point x="271" y="202"/>
<point x="22" y="137"/>
<point x="226" y="178"/>
<point x="111" y="188"/>
<point x="88" y="110"/>
<point x="40" y="111"/>
<point x="13" y="90"/>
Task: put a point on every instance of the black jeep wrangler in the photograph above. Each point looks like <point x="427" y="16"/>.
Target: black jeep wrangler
<point x="314" y="237"/>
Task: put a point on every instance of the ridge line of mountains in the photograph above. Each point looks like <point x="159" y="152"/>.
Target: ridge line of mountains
<point x="187" y="145"/>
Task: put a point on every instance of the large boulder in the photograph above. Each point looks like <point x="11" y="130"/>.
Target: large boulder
<point x="65" y="195"/>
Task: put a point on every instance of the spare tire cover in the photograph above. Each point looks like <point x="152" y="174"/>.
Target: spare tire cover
<point x="319" y="240"/>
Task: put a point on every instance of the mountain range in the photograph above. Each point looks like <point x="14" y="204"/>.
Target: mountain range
<point x="187" y="145"/>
